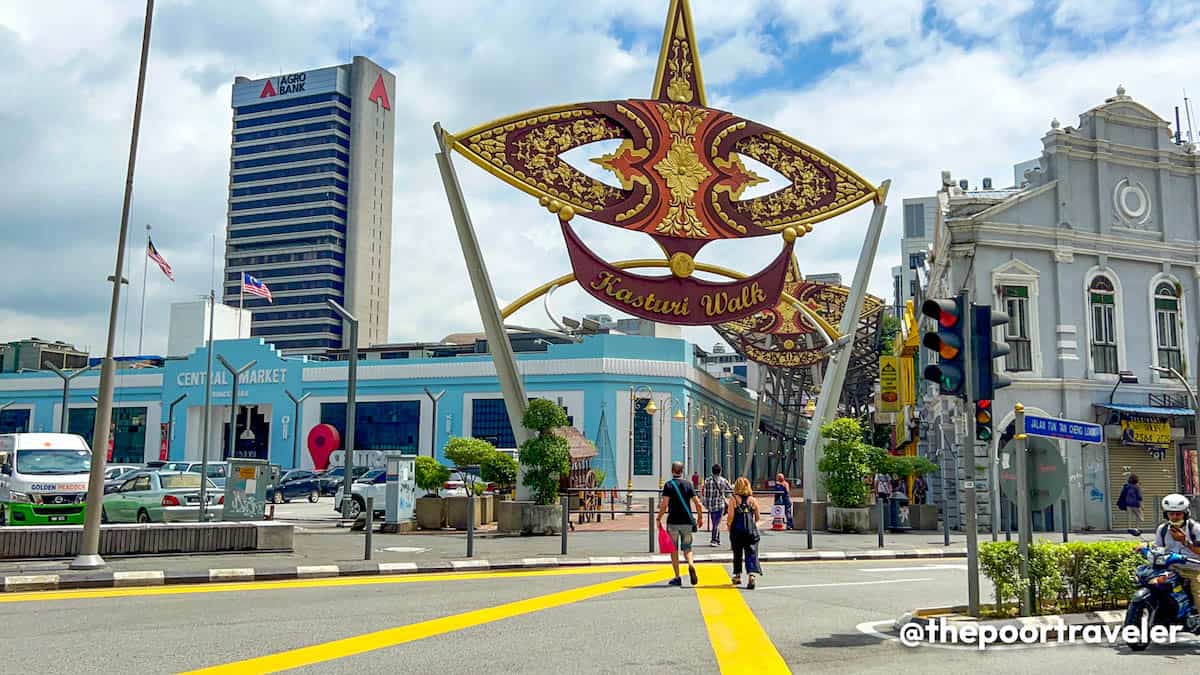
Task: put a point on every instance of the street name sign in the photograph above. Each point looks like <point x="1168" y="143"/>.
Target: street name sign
<point x="1071" y="430"/>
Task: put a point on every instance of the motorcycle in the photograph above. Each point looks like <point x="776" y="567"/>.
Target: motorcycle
<point x="1163" y="596"/>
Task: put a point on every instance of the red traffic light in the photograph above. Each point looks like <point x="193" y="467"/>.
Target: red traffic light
<point x="945" y="311"/>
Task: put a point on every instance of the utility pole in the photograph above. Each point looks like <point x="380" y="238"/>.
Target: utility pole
<point x="1022" y="508"/>
<point x="351" y="409"/>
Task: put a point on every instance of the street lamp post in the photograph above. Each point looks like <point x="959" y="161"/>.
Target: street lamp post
<point x="433" y="442"/>
<point x="171" y="421"/>
<point x="1176" y="375"/>
<point x="669" y="403"/>
<point x="351" y="410"/>
<point x="296" y="427"/>
<point x="89" y="549"/>
<point x="650" y="408"/>
<point x="66" y="378"/>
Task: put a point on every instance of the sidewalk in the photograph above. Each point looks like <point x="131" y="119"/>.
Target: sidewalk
<point x="329" y="551"/>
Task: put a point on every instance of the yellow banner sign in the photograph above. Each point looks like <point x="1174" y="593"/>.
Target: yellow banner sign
<point x="889" y="384"/>
<point x="1145" y="430"/>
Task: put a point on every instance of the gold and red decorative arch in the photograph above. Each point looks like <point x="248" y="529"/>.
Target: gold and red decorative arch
<point x="681" y="181"/>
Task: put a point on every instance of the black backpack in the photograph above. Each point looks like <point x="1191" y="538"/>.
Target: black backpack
<point x="743" y="518"/>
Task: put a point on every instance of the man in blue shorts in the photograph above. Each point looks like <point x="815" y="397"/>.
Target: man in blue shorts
<point x="684" y="516"/>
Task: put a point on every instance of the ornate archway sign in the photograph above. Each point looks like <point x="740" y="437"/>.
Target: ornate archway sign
<point x="775" y="336"/>
<point x="682" y="178"/>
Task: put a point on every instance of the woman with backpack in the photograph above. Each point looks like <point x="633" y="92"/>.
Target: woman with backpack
<point x="743" y="531"/>
<point x="1131" y="500"/>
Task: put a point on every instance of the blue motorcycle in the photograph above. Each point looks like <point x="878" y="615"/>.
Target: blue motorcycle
<point x="1162" y="597"/>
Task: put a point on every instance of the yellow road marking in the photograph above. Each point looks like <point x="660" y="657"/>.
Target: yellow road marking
<point x="738" y="640"/>
<point x="391" y="637"/>
<point x="84" y="594"/>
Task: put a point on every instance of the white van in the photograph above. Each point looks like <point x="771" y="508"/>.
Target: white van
<point x="43" y="479"/>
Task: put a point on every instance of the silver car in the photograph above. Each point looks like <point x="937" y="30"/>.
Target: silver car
<point x="160" y="497"/>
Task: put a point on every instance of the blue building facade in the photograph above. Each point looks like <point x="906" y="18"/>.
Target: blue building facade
<point x="599" y="382"/>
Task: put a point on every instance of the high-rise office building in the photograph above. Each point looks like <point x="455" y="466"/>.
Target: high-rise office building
<point x="310" y="203"/>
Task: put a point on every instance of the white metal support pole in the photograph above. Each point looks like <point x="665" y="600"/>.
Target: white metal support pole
<point x="489" y="312"/>
<point x="839" y="362"/>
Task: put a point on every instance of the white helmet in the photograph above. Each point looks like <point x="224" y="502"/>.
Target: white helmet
<point x="1175" y="503"/>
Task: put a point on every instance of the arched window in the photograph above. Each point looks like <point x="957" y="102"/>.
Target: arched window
<point x="1102" y="299"/>
<point x="1166" y="326"/>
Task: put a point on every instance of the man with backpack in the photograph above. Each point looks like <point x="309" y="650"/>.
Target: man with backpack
<point x="1181" y="534"/>
<point x="684" y="516"/>
<point x="716" y="491"/>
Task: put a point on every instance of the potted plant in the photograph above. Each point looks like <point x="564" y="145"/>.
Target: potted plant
<point x="499" y="468"/>
<point x="430" y="510"/>
<point x="920" y="516"/>
<point x="845" y="467"/>
<point x="547" y="457"/>
<point x="466" y="453"/>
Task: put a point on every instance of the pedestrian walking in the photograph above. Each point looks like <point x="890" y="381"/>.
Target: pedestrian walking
<point x="883" y="487"/>
<point x="678" y="501"/>
<point x="743" y="531"/>
<point x="716" y="493"/>
<point x="920" y="490"/>
<point x="696" y="480"/>
<point x="783" y="497"/>
<point x="1131" y="500"/>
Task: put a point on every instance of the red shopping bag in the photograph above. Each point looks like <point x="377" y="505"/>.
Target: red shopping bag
<point x="665" y="543"/>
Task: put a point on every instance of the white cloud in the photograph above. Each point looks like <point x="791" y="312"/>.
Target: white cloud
<point x="909" y="104"/>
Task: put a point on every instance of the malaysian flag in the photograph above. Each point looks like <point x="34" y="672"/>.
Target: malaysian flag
<point x="158" y="259"/>
<point x="255" y="287"/>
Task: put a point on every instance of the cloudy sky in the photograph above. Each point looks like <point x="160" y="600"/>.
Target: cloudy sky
<point x="899" y="89"/>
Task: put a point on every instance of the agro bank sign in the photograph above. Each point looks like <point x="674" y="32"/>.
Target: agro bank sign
<point x="287" y="85"/>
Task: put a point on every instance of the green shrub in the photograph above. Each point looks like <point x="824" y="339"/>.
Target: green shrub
<point x="846" y="463"/>
<point x="600" y="474"/>
<point x="499" y="468"/>
<point x="430" y="474"/>
<point x="468" y="452"/>
<point x="546" y="456"/>
<point x="1076" y="576"/>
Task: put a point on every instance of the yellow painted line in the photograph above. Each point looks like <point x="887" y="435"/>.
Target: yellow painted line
<point x="738" y="640"/>
<point x="182" y="589"/>
<point x="337" y="649"/>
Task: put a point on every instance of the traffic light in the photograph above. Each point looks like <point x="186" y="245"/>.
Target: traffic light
<point x="984" y="352"/>
<point x="983" y="420"/>
<point x="948" y="373"/>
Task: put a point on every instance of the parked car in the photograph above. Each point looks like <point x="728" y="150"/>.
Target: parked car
<point x="217" y="472"/>
<point x="294" y="484"/>
<point x="115" y="474"/>
<point x="331" y="479"/>
<point x="159" y="497"/>
<point x="372" y="484"/>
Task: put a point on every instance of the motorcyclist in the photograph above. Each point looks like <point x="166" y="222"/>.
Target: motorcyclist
<point x="1181" y="534"/>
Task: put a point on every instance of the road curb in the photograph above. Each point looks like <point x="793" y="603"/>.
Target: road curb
<point x="124" y="579"/>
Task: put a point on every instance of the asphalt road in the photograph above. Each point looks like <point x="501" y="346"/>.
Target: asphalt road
<point x="804" y="617"/>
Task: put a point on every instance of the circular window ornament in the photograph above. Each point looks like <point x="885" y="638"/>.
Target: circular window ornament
<point x="1131" y="201"/>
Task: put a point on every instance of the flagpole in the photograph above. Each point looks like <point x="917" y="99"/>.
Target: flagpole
<point x="241" y="305"/>
<point x="145" y="269"/>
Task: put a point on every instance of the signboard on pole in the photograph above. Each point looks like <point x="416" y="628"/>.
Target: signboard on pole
<point x="889" y="384"/>
<point x="1071" y="430"/>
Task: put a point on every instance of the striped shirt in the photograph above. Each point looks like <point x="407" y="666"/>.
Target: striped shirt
<point x="716" y="492"/>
